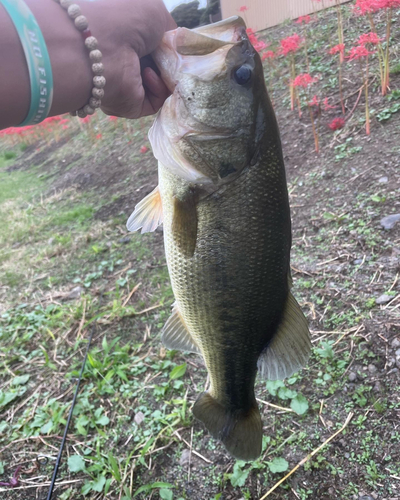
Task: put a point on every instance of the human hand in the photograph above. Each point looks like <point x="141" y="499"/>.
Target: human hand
<point x="128" y="31"/>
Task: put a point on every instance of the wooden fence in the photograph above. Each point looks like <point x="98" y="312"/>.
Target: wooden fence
<point x="261" y="14"/>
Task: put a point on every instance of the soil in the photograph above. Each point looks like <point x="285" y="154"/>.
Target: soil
<point x="338" y="244"/>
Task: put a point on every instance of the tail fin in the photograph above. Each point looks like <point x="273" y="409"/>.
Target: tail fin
<point x="240" y="432"/>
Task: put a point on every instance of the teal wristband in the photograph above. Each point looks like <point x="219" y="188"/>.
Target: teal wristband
<point x="37" y="58"/>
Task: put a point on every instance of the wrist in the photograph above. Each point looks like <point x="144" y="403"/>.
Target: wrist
<point x="70" y="62"/>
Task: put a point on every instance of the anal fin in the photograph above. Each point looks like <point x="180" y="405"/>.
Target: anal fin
<point x="148" y="213"/>
<point x="290" y="347"/>
<point x="175" y="334"/>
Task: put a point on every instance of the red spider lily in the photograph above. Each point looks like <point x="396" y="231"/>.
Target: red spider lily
<point x="303" y="20"/>
<point x="243" y="8"/>
<point x="259" y="45"/>
<point x="363" y="7"/>
<point x="290" y="44"/>
<point x="371" y="38"/>
<point x="113" y="118"/>
<point x="65" y="127"/>
<point x="314" y="101"/>
<point x="86" y="119"/>
<point x="358" y="52"/>
<point x="337" y="49"/>
<point x="64" y="121"/>
<point x="144" y="149"/>
<point x="389" y="4"/>
<point x="303" y="80"/>
<point x="99" y="136"/>
<point x="327" y="106"/>
<point x="336" y="124"/>
<point x="270" y="54"/>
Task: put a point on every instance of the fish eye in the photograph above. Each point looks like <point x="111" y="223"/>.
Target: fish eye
<point x="242" y="75"/>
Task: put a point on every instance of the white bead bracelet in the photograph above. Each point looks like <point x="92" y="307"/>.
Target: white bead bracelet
<point x="81" y="23"/>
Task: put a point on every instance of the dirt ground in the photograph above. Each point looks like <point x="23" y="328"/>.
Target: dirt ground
<point x="343" y="262"/>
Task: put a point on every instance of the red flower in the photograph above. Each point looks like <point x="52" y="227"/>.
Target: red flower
<point x="369" y="38"/>
<point x="303" y="80"/>
<point x="358" y="52"/>
<point x="113" y="118"/>
<point x="314" y="101"/>
<point x="270" y="54"/>
<point x="336" y="124"/>
<point x="337" y="49"/>
<point x="363" y="7"/>
<point x="243" y="8"/>
<point x="86" y="119"/>
<point x="290" y="44"/>
<point x="303" y="19"/>
<point x="144" y="149"/>
<point x="327" y="106"/>
<point x="99" y="136"/>
<point x="389" y="4"/>
<point x="259" y="45"/>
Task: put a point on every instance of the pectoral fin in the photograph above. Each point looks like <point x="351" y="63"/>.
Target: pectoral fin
<point x="290" y="348"/>
<point x="184" y="223"/>
<point x="148" y="213"/>
<point x="175" y="334"/>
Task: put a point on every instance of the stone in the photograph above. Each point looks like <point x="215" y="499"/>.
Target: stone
<point x="383" y="180"/>
<point x="357" y="262"/>
<point x="390" y="221"/>
<point x="372" y="369"/>
<point x="395" y="343"/>
<point x="124" y="240"/>
<point x="75" y="293"/>
<point x="383" y="299"/>
<point x="139" y="417"/>
<point x="352" y="377"/>
<point x="185" y="457"/>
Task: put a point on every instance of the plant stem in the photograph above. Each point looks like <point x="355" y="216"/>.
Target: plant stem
<point x="388" y="26"/>
<point x="316" y="141"/>
<point x="381" y="55"/>
<point x="367" y="121"/>
<point x="341" y="86"/>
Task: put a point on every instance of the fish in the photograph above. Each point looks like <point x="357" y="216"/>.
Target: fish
<point x="223" y="201"/>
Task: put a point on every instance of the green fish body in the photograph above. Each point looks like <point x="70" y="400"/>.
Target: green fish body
<point x="223" y="201"/>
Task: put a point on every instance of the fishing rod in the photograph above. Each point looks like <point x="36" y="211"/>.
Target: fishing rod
<point x="60" y="451"/>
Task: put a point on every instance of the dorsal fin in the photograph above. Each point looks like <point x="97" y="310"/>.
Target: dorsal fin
<point x="175" y="334"/>
<point x="148" y="213"/>
<point x="290" y="347"/>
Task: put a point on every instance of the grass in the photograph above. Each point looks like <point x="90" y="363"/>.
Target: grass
<point x="132" y="425"/>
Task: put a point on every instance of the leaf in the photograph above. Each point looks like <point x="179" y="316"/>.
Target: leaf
<point x="160" y="484"/>
<point x="21" y="380"/>
<point x="178" y="371"/>
<point x="285" y="393"/>
<point x="98" y="484"/>
<point x="239" y="476"/>
<point x="76" y="463"/>
<point x="7" y="397"/>
<point x="273" y="386"/>
<point x="145" y="487"/>
<point x="166" y="494"/>
<point x="299" y="404"/>
<point x="1" y="468"/>
<point x="114" y="467"/>
<point x="278" y="465"/>
<point x="104" y="420"/>
<point x="46" y="428"/>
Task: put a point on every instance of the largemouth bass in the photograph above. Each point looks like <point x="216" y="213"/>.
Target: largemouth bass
<point x="223" y="201"/>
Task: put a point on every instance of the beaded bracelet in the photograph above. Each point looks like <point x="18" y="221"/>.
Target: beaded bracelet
<point x="95" y="55"/>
